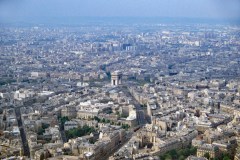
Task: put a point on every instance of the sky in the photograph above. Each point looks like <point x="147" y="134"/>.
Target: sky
<point x="213" y="9"/>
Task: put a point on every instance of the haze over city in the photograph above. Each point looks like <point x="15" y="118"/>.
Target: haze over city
<point x="14" y="10"/>
<point x="120" y="80"/>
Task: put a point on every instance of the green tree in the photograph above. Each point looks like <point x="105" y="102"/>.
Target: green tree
<point x="4" y="117"/>
<point x="108" y="75"/>
<point x="79" y="132"/>
<point x="226" y="157"/>
<point x="182" y="157"/>
<point x="125" y="126"/>
<point x="168" y="157"/>
<point x="193" y="150"/>
<point x="109" y="112"/>
<point x="96" y="118"/>
<point x="45" y="126"/>
<point x="180" y="153"/>
<point x="41" y="131"/>
<point x="91" y="141"/>
<point x="207" y="155"/>
<point x="63" y="120"/>
<point x="103" y="120"/>
<point x="173" y="153"/>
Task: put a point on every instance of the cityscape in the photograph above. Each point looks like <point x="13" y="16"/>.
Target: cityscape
<point x="138" y="90"/>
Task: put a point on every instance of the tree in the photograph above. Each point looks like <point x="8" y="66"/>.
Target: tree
<point x="168" y="157"/>
<point x="96" y="118"/>
<point x="4" y="117"/>
<point x="226" y="156"/>
<point x="207" y="155"/>
<point x="79" y="132"/>
<point x="182" y="157"/>
<point x="63" y="120"/>
<point x="109" y="112"/>
<point x="45" y="126"/>
<point x="193" y="150"/>
<point x="103" y="120"/>
<point x="108" y="75"/>
<point x="41" y="131"/>
<point x="91" y="141"/>
<point x="173" y="153"/>
<point x="118" y="113"/>
<point x="125" y="126"/>
<point x="180" y="154"/>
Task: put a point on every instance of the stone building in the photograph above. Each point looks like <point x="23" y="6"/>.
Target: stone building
<point x="69" y="112"/>
<point x="116" y="78"/>
<point x="210" y="149"/>
<point x="237" y="155"/>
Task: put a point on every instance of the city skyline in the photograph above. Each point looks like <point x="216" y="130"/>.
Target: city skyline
<point x="24" y="10"/>
<point x="120" y="80"/>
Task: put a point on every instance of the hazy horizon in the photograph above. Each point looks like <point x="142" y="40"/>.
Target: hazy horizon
<point x="75" y="21"/>
<point x="45" y="11"/>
